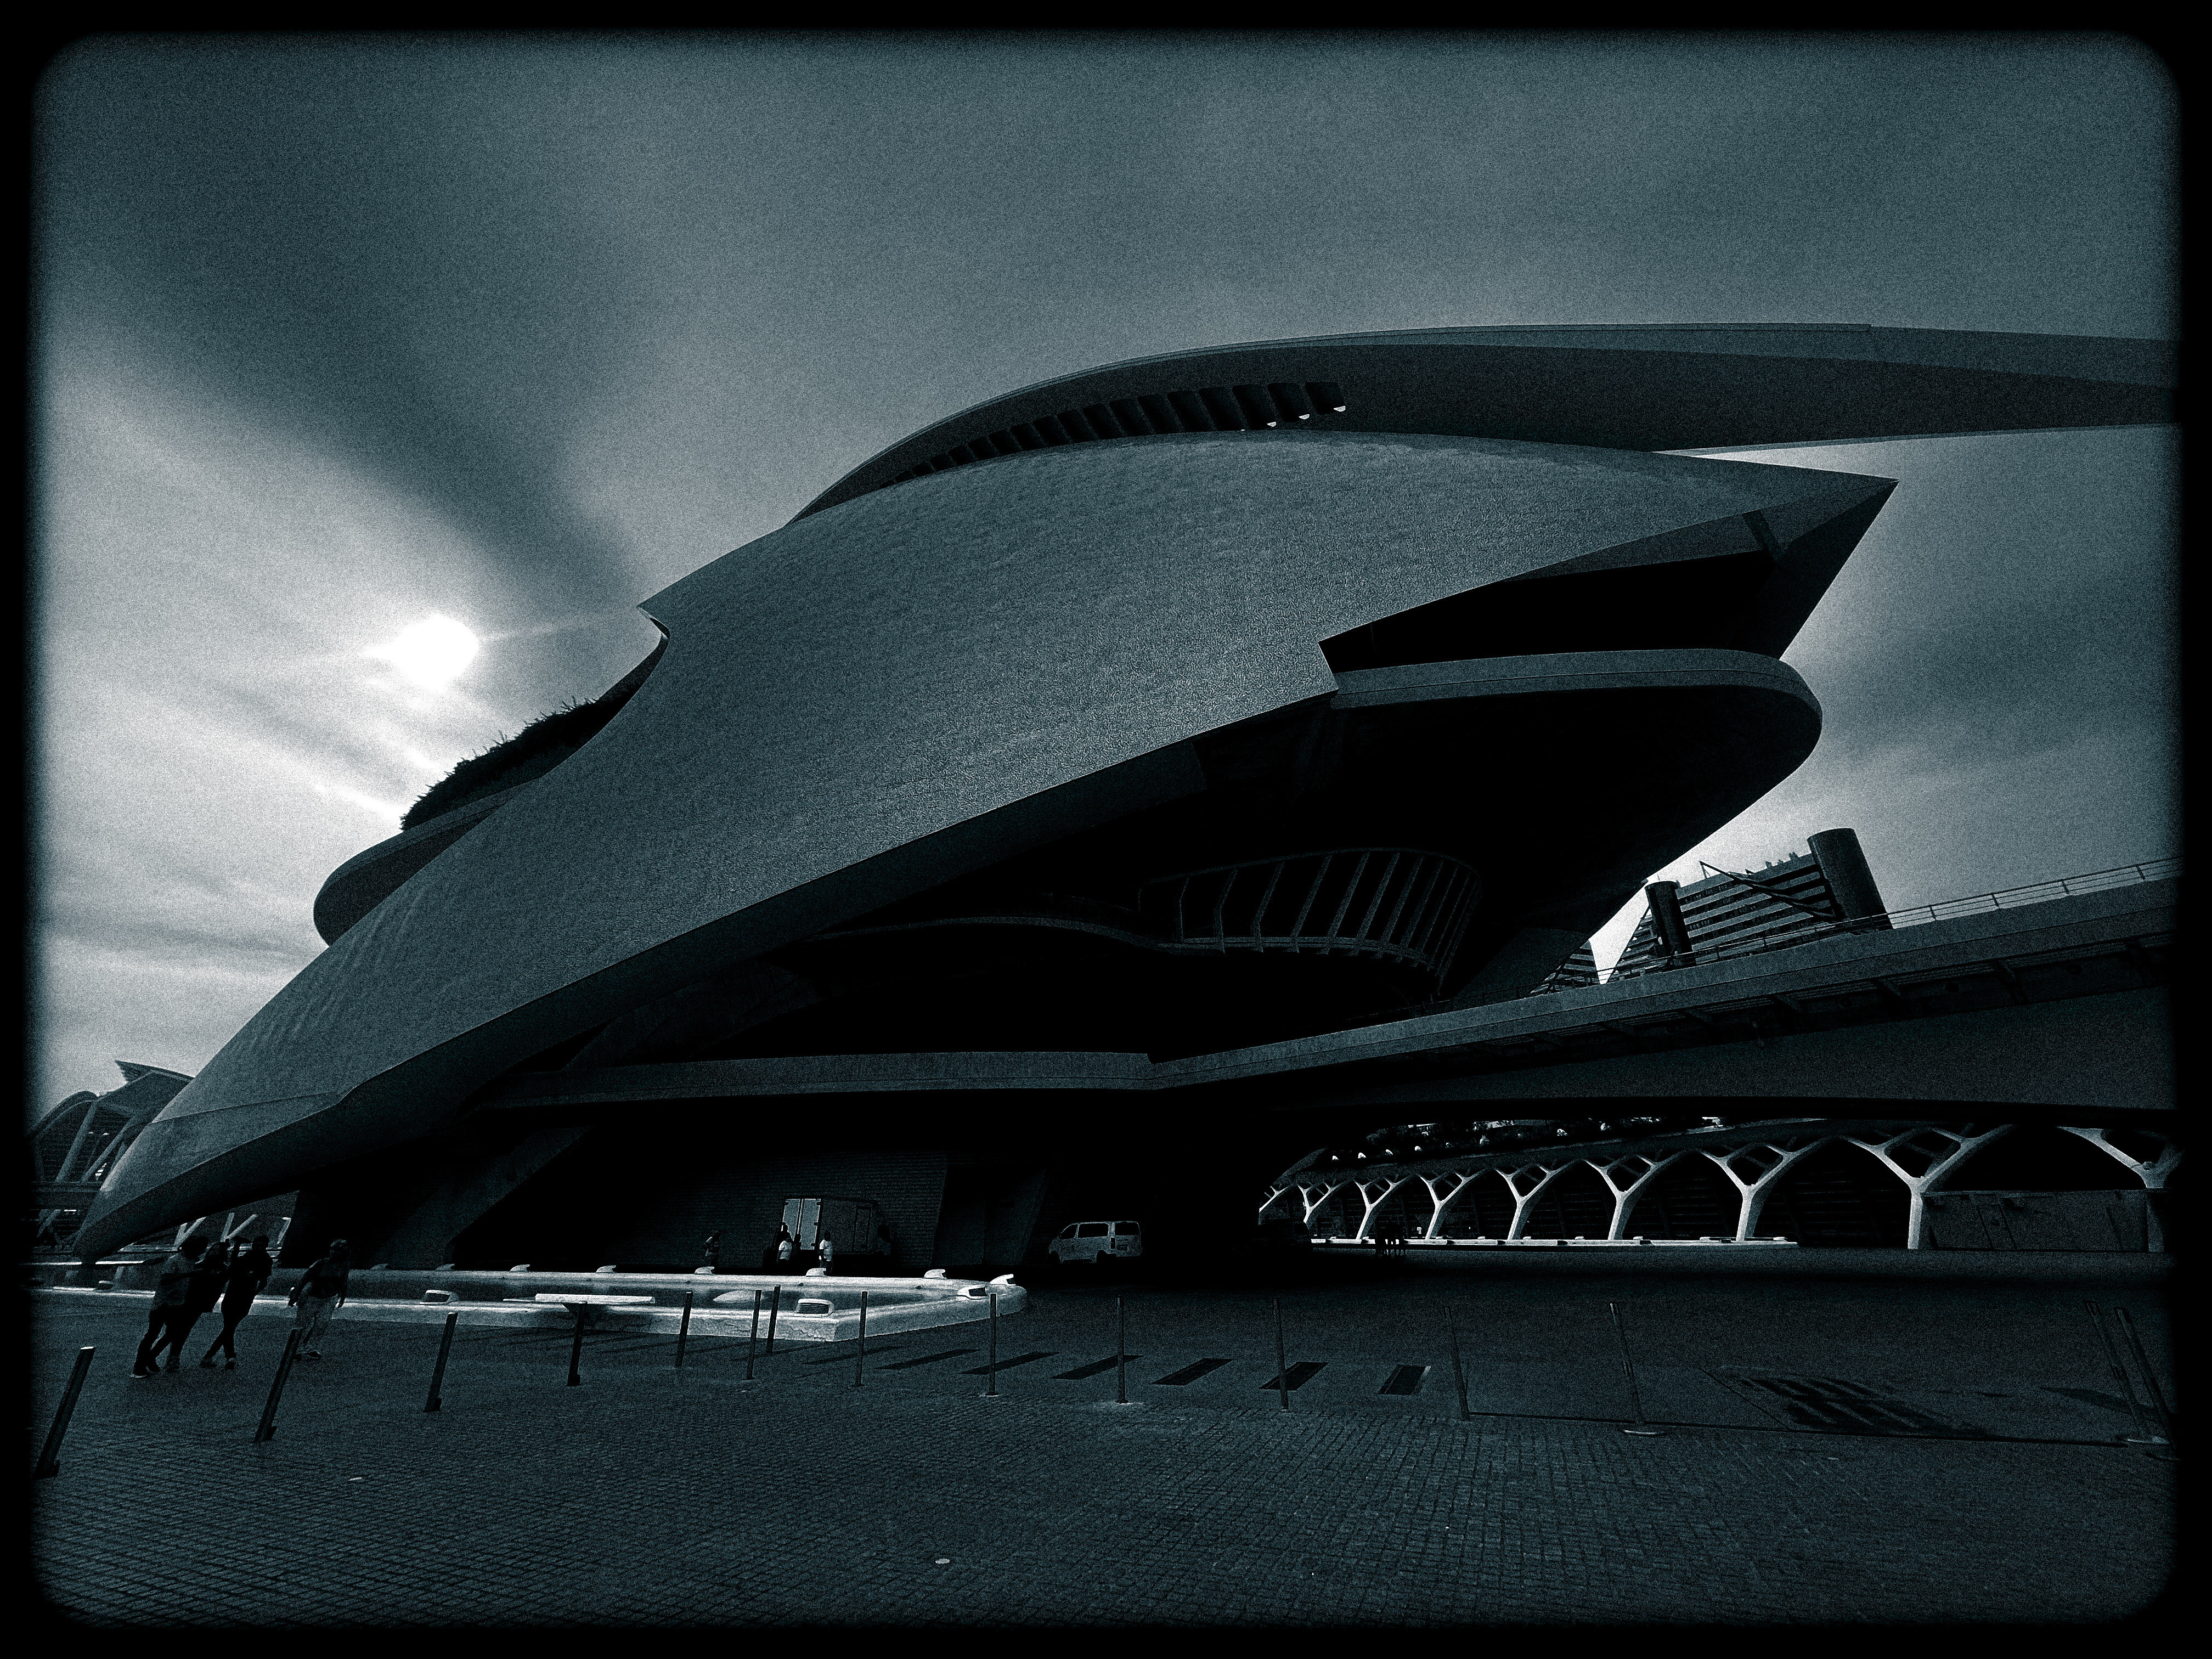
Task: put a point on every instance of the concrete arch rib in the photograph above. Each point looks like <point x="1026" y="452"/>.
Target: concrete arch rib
<point x="1313" y="1196"/>
<point x="2152" y="1172"/>
<point x="1779" y="1156"/>
<point x="1458" y="1180"/>
<point x="1383" y="1190"/>
<point x="683" y="839"/>
<point x="1923" y="1146"/>
<point x="1527" y="1183"/>
<point x="1642" y="1171"/>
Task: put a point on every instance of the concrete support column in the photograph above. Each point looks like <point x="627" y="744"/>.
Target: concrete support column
<point x="455" y="1198"/>
<point x="1763" y="1175"/>
<point x="1459" y="1181"/>
<point x="1641" y="1171"/>
<point x="1313" y="1197"/>
<point x="1918" y="1144"/>
<point x="1383" y="1189"/>
<point x="1526" y="1191"/>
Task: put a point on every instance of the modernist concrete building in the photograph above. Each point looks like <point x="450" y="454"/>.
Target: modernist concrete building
<point x="1074" y="791"/>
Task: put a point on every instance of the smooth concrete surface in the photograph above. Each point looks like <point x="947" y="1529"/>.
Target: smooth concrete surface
<point x="1016" y="651"/>
<point x="2140" y="1078"/>
<point x="2096" y="1055"/>
<point x="1570" y="670"/>
<point x="367" y="878"/>
<point x="549" y="1308"/>
<point x="1636" y="387"/>
<point x="2105" y="1052"/>
<point x="1428" y="1244"/>
<point x="1945" y="1453"/>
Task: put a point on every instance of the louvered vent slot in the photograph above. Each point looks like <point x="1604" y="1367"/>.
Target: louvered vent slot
<point x="1205" y="409"/>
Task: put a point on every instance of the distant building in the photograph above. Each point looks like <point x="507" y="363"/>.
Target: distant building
<point x="76" y="1143"/>
<point x="1791" y="903"/>
<point x="1577" y="971"/>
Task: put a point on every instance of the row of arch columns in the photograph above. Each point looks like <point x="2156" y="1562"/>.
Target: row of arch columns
<point x="1920" y="1157"/>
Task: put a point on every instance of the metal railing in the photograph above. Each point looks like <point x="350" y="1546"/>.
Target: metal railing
<point x="1784" y="938"/>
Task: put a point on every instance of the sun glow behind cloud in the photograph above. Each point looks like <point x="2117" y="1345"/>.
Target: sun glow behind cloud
<point x="432" y="653"/>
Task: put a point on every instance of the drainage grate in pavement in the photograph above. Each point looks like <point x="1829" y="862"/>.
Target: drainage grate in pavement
<point x="929" y="1359"/>
<point x="1406" y="1379"/>
<point x="1833" y="1403"/>
<point x="1297" y="1376"/>
<point x="1189" y="1373"/>
<point x="1093" y="1368"/>
<point x="1008" y="1364"/>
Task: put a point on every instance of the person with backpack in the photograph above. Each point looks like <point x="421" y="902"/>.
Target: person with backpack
<point x="171" y="1294"/>
<point x="248" y="1271"/>
<point x="320" y="1293"/>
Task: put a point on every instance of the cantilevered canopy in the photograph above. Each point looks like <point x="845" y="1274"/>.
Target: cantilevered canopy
<point x="1670" y="386"/>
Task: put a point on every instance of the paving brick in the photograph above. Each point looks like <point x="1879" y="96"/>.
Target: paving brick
<point x="646" y="1498"/>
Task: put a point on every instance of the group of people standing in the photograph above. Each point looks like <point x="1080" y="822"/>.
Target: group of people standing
<point x="782" y="1254"/>
<point x="198" y="1275"/>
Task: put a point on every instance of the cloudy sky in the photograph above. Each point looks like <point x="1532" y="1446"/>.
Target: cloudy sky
<point x="339" y="335"/>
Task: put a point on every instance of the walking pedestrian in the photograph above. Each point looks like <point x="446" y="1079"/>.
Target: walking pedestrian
<point x="711" y="1252"/>
<point x="203" y="1290"/>
<point x="171" y="1294"/>
<point x="320" y="1293"/>
<point x="784" y="1248"/>
<point x="248" y="1272"/>
<point x="825" y="1254"/>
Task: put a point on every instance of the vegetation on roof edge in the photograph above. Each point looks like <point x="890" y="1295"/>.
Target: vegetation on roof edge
<point x="532" y="752"/>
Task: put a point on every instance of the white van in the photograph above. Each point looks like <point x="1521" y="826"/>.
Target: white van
<point x="1091" y="1241"/>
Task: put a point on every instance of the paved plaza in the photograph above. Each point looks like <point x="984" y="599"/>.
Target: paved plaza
<point x="1847" y="1438"/>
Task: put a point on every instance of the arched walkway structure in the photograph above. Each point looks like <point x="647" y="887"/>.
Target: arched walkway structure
<point x="1753" y="1157"/>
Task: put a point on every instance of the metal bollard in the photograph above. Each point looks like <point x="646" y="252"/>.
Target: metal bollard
<point x="438" y="1371"/>
<point x="861" y="1358"/>
<point x="1282" y="1365"/>
<point x="576" y="1350"/>
<point x="775" y="1303"/>
<point x="1121" y="1352"/>
<point x="992" y="1393"/>
<point x="684" y="1329"/>
<point x="753" y="1338"/>
<point x="267" y="1430"/>
<point x="50" y="1458"/>
<point x="1459" y="1374"/>
<point x="2142" y="1436"/>
<point x="1635" y="1395"/>
<point x="2142" y="1365"/>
